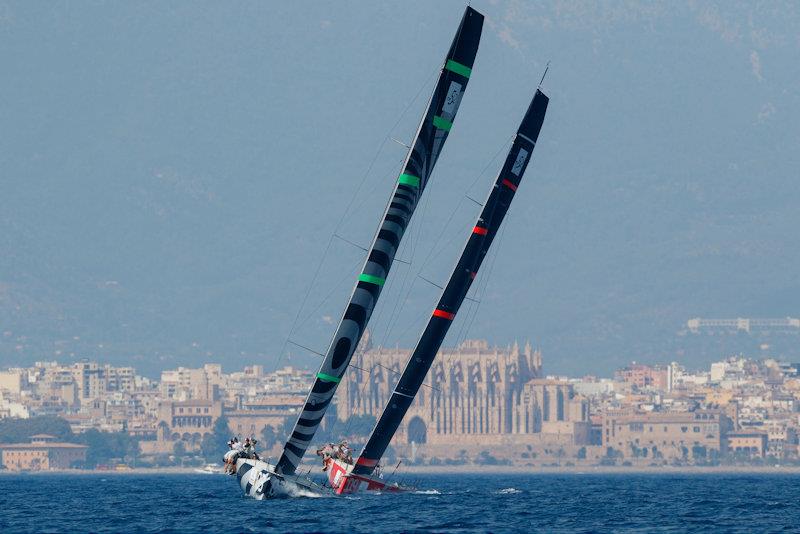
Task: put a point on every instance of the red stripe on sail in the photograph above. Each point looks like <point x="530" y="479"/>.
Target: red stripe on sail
<point x="443" y="314"/>
<point x="366" y="462"/>
<point x="506" y="182"/>
<point x="480" y="231"/>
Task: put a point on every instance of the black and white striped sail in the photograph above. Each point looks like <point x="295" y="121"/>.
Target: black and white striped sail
<point x="475" y="251"/>
<point x="421" y="158"/>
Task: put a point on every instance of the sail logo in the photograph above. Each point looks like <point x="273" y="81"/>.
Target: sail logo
<point x="452" y="99"/>
<point x="520" y="161"/>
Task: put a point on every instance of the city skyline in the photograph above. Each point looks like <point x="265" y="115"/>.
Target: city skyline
<point x="737" y="410"/>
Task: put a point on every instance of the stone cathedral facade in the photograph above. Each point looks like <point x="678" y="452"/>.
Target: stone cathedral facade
<point x="487" y="393"/>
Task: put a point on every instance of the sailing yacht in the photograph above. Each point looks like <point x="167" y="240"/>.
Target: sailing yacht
<point x="262" y="480"/>
<point x="349" y="478"/>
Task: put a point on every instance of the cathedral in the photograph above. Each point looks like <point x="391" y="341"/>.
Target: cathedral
<point x="488" y="393"/>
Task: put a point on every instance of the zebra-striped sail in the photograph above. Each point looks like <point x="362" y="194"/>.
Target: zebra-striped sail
<point x="421" y="158"/>
<point x="457" y="287"/>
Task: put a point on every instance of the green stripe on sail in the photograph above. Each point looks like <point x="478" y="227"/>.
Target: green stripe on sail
<point x="328" y="378"/>
<point x="409" y="179"/>
<point x="441" y="123"/>
<point x="377" y="280"/>
<point x="458" y="68"/>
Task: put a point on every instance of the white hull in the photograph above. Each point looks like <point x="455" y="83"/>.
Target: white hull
<point x="259" y="480"/>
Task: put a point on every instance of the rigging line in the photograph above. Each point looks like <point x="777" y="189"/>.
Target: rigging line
<point x="380" y="148"/>
<point x="346" y="276"/>
<point x="391" y="285"/>
<point x="303" y="303"/>
<point x="377" y="184"/>
<point x="344" y="216"/>
<point x="491" y="267"/>
<point x="436" y="249"/>
<point x="309" y="349"/>
<point x="472" y="309"/>
<point x="398" y="306"/>
<point x="414" y="324"/>
<point x="365" y="249"/>
<point x="473" y="306"/>
<point x="416" y="245"/>
<point x="475" y="201"/>
<point x="360" y="388"/>
<point x="431" y="282"/>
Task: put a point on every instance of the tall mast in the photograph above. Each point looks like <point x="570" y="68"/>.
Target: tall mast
<point x="420" y="160"/>
<point x="474" y="252"/>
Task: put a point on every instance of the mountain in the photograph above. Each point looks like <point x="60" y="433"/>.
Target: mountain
<point x="171" y="177"/>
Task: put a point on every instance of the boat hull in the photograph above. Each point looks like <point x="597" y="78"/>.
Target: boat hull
<point x="259" y="480"/>
<point x="343" y="481"/>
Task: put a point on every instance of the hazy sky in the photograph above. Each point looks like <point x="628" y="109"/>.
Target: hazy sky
<point x="171" y="174"/>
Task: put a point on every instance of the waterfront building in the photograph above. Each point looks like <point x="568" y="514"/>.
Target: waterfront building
<point x="42" y="453"/>
<point x="666" y="435"/>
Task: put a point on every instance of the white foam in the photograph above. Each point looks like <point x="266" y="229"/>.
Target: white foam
<point x="509" y="491"/>
<point x="300" y="492"/>
<point x="428" y="492"/>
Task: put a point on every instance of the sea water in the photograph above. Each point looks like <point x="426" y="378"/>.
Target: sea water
<point x="447" y="503"/>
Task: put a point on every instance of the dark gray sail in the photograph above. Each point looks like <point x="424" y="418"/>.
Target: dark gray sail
<point x="422" y="156"/>
<point x="457" y="287"/>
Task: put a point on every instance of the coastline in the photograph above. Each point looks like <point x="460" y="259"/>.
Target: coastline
<point x="460" y="470"/>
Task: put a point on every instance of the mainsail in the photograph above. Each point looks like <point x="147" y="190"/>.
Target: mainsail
<point x="457" y="287"/>
<point x="419" y="163"/>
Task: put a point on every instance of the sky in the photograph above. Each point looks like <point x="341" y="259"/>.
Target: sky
<point x="172" y="176"/>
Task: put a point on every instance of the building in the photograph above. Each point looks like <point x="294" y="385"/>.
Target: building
<point x="189" y="420"/>
<point x="471" y="390"/>
<point x="12" y="381"/>
<point x="666" y="435"/>
<point x="270" y="410"/>
<point x="184" y="383"/>
<point x="41" y="454"/>
<point x="551" y="407"/>
<point x="747" y="444"/>
<point x="645" y="376"/>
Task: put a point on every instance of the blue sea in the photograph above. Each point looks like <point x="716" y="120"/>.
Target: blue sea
<point x="451" y="503"/>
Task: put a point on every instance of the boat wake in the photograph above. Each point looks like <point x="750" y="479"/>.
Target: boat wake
<point x="428" y="492"/>
<point x="508" y="491"/>
<point x="300" y="492"/>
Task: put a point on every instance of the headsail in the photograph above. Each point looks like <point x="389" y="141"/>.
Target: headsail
<point x="457" y="287"/>
<point x="419" y="163"/>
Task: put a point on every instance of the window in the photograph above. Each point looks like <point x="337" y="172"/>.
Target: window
<point x="684" y="428"/>
<point x="696" y="429"/>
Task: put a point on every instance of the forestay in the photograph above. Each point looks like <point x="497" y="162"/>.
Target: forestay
<point x="474" y="252"/>
<point x="420" y="160"/>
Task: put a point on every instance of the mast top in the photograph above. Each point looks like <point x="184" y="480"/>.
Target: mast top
<point x="546" y="68"/>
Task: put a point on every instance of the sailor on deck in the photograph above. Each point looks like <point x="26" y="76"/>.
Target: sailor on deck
<point x="326" y="452"/>
<point x="232" y="455"/>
